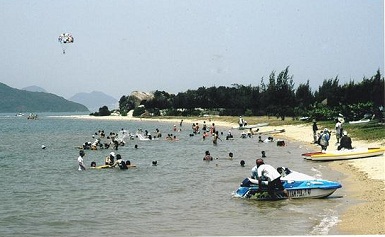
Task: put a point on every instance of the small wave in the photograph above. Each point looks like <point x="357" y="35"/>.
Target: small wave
<point x="329" y="219"/>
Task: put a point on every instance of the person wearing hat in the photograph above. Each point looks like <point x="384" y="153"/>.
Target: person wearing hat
<point x="110" y="159"/>
<point x="346" y="141"/>
<point x="268" y="172"/>
<point x="81" y="161"/>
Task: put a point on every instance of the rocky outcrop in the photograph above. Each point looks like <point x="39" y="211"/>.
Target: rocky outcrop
<point x="140" y="96"/>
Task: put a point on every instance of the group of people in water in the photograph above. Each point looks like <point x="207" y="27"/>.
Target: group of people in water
<point x="110" y="161"/>
<point x="113" y="140"/>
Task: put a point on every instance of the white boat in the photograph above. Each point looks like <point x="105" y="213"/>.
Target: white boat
<point x="344" y="154"/>
<point x="251" y="126"/>
<point x="275" y="131"/>
<point x="142" y="137"/>
<point x="297" y="185"/>
<point x="360" y="121"/>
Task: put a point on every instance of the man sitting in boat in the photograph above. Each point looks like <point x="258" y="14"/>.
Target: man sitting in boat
<point x="346" y="141"/>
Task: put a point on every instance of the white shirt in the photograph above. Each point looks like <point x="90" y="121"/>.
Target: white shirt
<point x="254" y="172"/>
<point x="268" y="171"/>
<point x="80" y="160"/>
<point x="338" y="127"/>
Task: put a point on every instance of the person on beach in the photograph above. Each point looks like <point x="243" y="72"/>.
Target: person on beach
<point x="241" y="122"/>
<point x="338" y="130"/>
<point x="93" y="164"/>
<point x="263" y="153"/>
<point x="273" y="178"/>
<point x="323" y="139"/>
<point x="315" y="129"/>
<point x="81" y="160"/>
<point x="346" y="142"/>
<point x="207" y="156"/>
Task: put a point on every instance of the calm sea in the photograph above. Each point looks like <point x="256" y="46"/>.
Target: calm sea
<point x="44" y="194"/>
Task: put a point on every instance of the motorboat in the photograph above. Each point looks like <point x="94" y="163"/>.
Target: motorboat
<point x="344" y="154"/>
<point x="297" y="185"/>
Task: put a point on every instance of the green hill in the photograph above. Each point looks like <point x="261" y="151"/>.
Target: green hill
<point x="14" y="100"/>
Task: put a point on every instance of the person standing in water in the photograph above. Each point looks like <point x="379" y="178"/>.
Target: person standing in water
<point x="81" y="160"/>
<point x="207" y="156"/>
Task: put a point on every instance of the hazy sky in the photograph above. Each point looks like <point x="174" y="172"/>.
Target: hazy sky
<point x="127" y="45"/>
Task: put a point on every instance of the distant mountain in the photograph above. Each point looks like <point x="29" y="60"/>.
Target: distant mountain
<point x="14" y="100"/>
<point x="95" y="100"/>
<point x="34" y="89"/>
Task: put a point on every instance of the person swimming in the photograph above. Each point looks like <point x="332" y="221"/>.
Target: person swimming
<point x="242" y="163"/>
<point x="207" y="156"/>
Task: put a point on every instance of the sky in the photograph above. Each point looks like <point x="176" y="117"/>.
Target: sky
<point x="174" y="45"/>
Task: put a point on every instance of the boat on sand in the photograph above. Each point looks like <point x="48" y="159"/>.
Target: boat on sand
<point x="344" y="154"/>
<point x="360" y="121"/>
<point x="251" y="126"/>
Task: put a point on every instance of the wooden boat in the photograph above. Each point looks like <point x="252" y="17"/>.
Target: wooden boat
<point x="345" y="154"/>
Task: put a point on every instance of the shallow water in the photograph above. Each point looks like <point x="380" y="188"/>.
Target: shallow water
<point x="43" y="193"/>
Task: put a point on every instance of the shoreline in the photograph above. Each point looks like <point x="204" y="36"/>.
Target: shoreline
<point x="363" y="179"/>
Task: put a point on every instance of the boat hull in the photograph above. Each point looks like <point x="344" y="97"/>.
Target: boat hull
<point x="344" y="154"/>
<point x="251" y="126"/>
<point x="360" y="121"/>
<point x="295" y="189"/>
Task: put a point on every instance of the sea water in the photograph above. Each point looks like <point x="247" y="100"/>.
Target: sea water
<point x="44" y="194"/>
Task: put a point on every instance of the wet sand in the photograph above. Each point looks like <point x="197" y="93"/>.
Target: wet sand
<point x="364" y="182"/>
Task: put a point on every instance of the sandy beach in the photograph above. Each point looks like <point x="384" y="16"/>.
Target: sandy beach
<point x="364" y="182"/>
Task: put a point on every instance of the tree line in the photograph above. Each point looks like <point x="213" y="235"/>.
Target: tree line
<point x="277" y="96"/>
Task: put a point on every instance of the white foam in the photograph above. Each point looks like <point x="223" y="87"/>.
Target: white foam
<point x="330" y="219"/>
